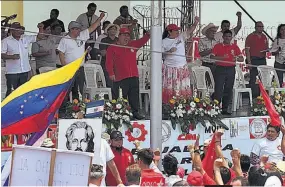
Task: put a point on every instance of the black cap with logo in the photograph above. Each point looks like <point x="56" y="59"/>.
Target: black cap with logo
<point x="116" y="135"/>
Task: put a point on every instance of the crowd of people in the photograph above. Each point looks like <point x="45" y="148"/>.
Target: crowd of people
<point x="118" y="166"/>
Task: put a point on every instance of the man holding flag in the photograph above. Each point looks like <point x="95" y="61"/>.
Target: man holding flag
<point x="270" y="145"/>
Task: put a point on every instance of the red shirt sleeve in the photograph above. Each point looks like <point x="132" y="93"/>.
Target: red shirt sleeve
<point x="237" y="51"/>
<point x="215" y="50"/>
<point x="248" y="41"/>
<point x="110" y="61"/>
<point x="140" y="42"/>
<point x="208" y="180"/>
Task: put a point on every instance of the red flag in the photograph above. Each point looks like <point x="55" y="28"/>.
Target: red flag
<point x="210" y="157"/>
<point x="273" y="114"/>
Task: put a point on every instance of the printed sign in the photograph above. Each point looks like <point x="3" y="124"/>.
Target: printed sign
<point x="257" y="128"/>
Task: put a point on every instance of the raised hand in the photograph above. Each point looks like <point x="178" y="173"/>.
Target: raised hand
<point x="102" y="15"/>
<point x="238" y="14"/>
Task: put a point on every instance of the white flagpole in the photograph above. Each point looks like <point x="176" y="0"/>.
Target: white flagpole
<point x="156" y="79"/>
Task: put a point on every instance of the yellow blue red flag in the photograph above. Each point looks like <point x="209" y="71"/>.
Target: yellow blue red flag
<point x="31" y="107"/>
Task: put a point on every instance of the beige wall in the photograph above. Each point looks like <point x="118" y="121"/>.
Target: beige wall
<point x="12" y="7"/>
<point x="37" y="11"/>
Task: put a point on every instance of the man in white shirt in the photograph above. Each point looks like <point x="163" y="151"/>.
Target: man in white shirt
<point x="104" y="35"/>
<point x="269" y="146"/>
<point x="15" y="52"/>
<point x="87" y="19"/>
<point x="225" y="25"/>
<point x="72" y="47"/>
<point x="96" y="175"/>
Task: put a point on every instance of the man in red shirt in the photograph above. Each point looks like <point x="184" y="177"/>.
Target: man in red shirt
<point x="255" y="45"/>
<point x="226" y="55"/>
<point x="121" y="65"/>
<point x="123" y="158"/>
<point x="148" y="176"/>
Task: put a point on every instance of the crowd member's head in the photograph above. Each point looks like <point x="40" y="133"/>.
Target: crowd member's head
<point x="124" y="11"/>
<point x="205" y="146"/>
<point x="274" y="178"/>
<point x="112" y="30"/>
<point x="170" y="164"/>
<point x="91" y="9"/>
<point x="80" y="137"/>
<point x="96" y="174"/>
<point x="181" y="183"/>
<point x="244" y="163"/>
<point x="133" y="174"/>
<point x="116" y="140"/>
<point x="225" y="174"/>
<point x="256" y="176"/>
<point x="16" y="30"/>
<point x="281" y="31"/>
<point x="56" y="29"/>
<point x="105" y="24"/>
<point x="227" y="36"/>
<point x="225" y="25"/>
<point x="239" y="181"/>
<point x="195" y="178"/>
<point x="210" y="30"/>
<point x="47" y="28"/>
<point x="272" y="132"/>
<point x="54" y="13"/>
<point x="180" y="172"/>
<point x="171" y="31"/>
<point x="47" y="143"/>
<point x="259" y="27"/>
<point x="145" y="158"/>
<point x="124" y="36"/>
<point x="74" y="29"/>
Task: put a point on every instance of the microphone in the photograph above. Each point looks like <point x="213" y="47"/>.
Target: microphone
<point x="102" y="11"/>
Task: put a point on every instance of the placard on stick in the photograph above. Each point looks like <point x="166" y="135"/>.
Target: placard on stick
<point x="35" y="166"/>
<point x="30" y="166"/>
<point x="72" y="168"/>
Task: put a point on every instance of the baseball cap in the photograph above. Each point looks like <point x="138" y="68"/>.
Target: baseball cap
<point x="74" y="24"/>
<point x="116" y="135"/>
<point x="124" y="30"/>
<point x="172" y="27"/>
<point x="16" y="25"/>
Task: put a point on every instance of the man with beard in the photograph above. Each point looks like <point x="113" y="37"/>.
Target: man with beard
<point x="269" y="146"/>
<point x="123" y="158"/>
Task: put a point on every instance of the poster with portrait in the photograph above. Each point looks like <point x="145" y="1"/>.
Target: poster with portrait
<point x="80" y="135"/>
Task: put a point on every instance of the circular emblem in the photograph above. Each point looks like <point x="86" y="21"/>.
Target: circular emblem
<point x="138" y="133"/>
<point x="166" y="131"/>
<point x="132" y="50"/>
<point x="258" y="128"/>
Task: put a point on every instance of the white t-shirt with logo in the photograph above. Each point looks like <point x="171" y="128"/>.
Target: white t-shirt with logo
<point x="172" y="60"/>
<point x="279" y="43"/>
<point x="73" y="49"/>
<point x="106" y="154"/>
<point x="270" y="148"/>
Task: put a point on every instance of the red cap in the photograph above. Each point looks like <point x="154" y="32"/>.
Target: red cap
<point x="195" y="178"/>
<point x="180" y="172"/>
<point x="172" y="27"/>
<point x="124" y="30"/>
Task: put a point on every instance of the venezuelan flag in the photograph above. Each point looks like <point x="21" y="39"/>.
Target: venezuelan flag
<point x="32" y="106"/>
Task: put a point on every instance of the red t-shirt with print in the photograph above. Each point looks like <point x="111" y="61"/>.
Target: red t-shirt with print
<point x="231" y="50"/>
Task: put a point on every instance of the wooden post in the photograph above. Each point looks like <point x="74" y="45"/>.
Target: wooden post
<point x="12" y="163"/>
<point x="51" y="170"/>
